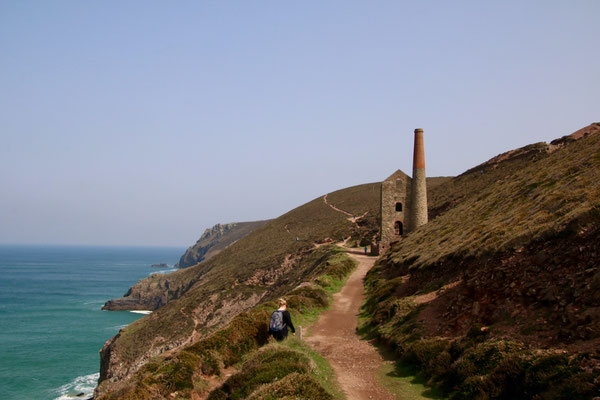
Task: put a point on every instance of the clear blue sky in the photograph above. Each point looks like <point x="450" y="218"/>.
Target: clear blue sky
<point x="144" y="122"/>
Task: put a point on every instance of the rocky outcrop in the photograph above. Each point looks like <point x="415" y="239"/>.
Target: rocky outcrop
<point x="591" y="129"/>
<point x="158" y="289"/>
<point x="215" y="239"/>
<point x="148" y="294"/>
<point x="536" y="150"/>
<point x="531" y="152"/>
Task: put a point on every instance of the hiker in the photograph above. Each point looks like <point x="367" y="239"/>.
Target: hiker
<point x="280" y="320"/>
<point x="365" y="250"/>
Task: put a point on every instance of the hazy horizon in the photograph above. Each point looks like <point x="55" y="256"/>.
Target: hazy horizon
<point x="143" y="124"/>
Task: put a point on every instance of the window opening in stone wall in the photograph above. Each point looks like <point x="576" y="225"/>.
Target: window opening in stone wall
<point x="398" y="207"/>
<point x="398" y="228"/>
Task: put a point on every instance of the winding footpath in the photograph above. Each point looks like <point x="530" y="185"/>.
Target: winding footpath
<point x="354" y="361"/>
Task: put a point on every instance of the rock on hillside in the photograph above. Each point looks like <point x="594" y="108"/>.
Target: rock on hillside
<point x="215" y="239"/>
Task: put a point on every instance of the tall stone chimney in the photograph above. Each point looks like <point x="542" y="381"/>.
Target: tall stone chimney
<point x="418" y="210"/>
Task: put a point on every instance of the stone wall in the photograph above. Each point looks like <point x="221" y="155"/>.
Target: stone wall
<point x="395" y="189"/>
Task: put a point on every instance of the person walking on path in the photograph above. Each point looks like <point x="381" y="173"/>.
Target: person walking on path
<point x="280" y="321"/>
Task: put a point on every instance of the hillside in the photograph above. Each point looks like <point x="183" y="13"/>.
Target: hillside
<point x="215" y="239"/>
<point x="305" y="223"/>
<point x="498" y="296"/>
<point x="157" y="290"/>
<point x="193" y="302"/>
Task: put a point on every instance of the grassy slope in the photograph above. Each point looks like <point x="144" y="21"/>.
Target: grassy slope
<point x="366" y="198"/>
<point x="519" y="239"/>
<point x="213" y="292"/>
<point x="185" y="371"/>
<point x="252" y="269"/>
<point x="508" y="206"/>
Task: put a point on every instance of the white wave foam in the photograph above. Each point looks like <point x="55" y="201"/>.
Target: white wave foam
<point x="117" y="327"/>
<point x="82" y="384"/>
<point x="145" y="312"/>
<point x="162" y="272"/>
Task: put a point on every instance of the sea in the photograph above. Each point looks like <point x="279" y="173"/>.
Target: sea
<point x="51" y="323"/>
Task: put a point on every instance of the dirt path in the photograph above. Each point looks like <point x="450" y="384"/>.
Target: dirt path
<point x="352" y="218"/>
<point x="354" y="361"/>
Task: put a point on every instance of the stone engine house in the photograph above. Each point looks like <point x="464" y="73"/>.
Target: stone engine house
<point x="404" y="199"/>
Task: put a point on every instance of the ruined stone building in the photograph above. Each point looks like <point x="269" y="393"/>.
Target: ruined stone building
<point x="404" y="199"/>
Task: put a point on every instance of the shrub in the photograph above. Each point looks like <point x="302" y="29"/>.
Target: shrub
<point x="307" y="298"/>
<point x="292" y="387"/>
<point x="473" y="388"/>
<point x="245" y="333"/>
<point x="267" y="366"/>
<point x="423" y="352"/>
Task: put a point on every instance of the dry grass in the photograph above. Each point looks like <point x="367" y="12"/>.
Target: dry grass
<point x="216" y="290"/>
<point x="501" y="221"/>
<point x="532" y="198"/>
<point x="185" y="371"/>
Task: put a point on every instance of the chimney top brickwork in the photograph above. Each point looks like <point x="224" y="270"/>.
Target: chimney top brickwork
<point x="418" y="214"/>
<point x="404" y="199"/>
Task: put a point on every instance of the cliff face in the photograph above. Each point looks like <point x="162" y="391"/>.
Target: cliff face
<point x="215" y="239"/>
<point x="150" y="293"/>
<point x="157" y="290"/>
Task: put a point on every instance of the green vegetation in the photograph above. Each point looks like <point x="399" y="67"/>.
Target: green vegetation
<point x="264" y="265"/>
<point x="187" y="370"/>
<point x="400" y="380"/>
<point x="321" y="371"/>
<point x="264" y="373"/>
<point x="506" y="221"/>
<point x="503" y="232"/>
<point x="358" y="200"/>
<point x="476" y="366"/>
<point x="497" y="368"/>
<point x="507" y="205"/>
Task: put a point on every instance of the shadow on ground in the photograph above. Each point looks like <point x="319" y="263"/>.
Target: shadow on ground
<point x="401" y="378"/>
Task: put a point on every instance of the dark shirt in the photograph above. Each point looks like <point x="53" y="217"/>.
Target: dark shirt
<point x="287" y="322"/>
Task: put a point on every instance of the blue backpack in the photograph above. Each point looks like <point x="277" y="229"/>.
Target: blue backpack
<point x="276" y="323"/>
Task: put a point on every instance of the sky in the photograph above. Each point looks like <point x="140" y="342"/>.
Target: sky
<point x="146" y="122"/>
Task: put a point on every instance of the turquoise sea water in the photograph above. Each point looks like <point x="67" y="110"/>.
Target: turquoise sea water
<point x="51" y="325"/>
